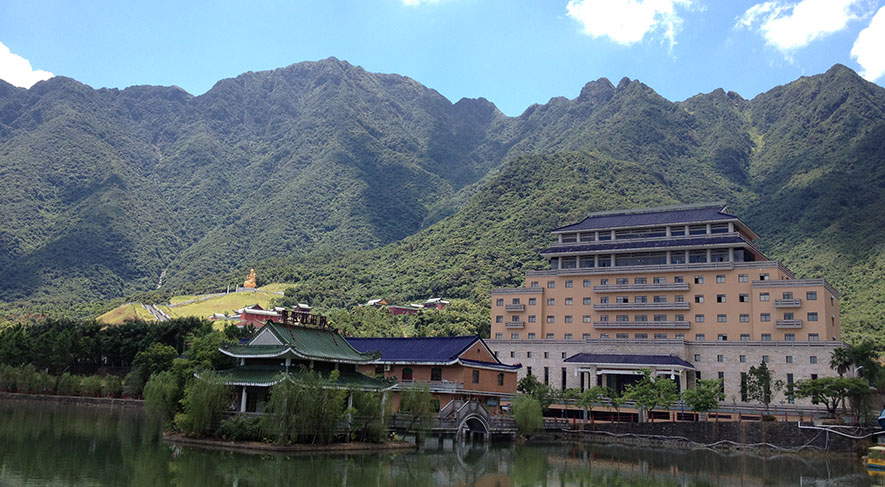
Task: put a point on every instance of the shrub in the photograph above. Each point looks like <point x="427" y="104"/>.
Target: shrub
<point x="91" y="386"/>
<point x="527" y="413"/>
<point x="68" y="385"/>
<point x="241" y="427"/>
<point x="134" y="383"/>
<point x="161" y="395"/>
<point x="8" y="378"/>
<point x="205" y="400"/>
<point x="24" y="382"/>
<point x="112" y="386"/>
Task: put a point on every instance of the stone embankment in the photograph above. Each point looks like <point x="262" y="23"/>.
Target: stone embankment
<point x="259" y="447"/>
<point x="111" y="402"/>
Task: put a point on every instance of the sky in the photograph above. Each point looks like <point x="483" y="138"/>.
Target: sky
<point x="512" y="52"/>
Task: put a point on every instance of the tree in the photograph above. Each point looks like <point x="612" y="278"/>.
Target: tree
<point x="832" y="392"/>
<point x="592" y="396"/>
<point x="527" y="413"/>
<point x="760" y="385"/>
<point x="705" y="396"/>
<point x="530" y="386"/>
<point x="157" y="358"/>
<point x="651" y="392"/>
<point x="161" y="396"/>
<point x="418" y="404"/>
<point x="205" y="400"/>
<point x="840" y="360"/>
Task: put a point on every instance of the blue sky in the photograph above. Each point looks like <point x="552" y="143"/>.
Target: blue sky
<point x="514" y="53"/>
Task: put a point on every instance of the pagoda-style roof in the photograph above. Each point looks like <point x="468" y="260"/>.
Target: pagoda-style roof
<point x="268" y="376"/>
<point x="427" y="351"/>
<point x="304" y="342"/>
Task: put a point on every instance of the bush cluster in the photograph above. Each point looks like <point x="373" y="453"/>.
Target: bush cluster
<point x="28" y="379"/>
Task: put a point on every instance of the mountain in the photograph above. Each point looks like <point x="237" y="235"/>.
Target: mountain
<point x="357" y="184"/>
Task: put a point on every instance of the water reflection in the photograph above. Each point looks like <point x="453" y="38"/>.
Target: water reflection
<point x="47" y="444"/>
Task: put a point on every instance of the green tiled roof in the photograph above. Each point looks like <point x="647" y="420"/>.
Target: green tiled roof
<point x="269" y="376"/>
<point x="255" y="350"/>
<point x="318" y="343"/>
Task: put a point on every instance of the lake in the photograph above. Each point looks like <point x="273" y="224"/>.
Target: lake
<point x="48" y="444"/>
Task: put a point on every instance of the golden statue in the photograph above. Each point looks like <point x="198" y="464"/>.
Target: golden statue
<point x="250" y="282"/>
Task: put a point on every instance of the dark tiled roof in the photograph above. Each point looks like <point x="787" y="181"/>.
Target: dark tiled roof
<point x="494" y="365"/>
<point x="418" y="349"/>
<point x="641" y="360"/>
<point x="265" y="376"/>
<point x="313" y="343"/>
<point x="655" y="244"/>
<point x="662" y="216"/>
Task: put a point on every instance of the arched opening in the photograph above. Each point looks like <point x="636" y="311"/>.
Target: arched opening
<point x="474" y="427"/>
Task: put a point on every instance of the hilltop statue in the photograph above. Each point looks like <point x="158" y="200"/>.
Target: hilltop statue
<point x="250" y="282"/>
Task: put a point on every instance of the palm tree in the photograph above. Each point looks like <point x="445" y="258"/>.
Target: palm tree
<point x="841" y="360"/>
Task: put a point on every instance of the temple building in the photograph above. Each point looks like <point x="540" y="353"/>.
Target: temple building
<point x="281" y="351"/>
<point x="626" y="289"/>
<point x="454" y="368"/>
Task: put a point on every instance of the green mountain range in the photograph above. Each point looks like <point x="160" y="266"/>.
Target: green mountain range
<point x="356" y="184"/>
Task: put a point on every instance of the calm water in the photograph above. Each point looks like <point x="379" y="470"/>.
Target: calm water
<point x="50" y="445"/>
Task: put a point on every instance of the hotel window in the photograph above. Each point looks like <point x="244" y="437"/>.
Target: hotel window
<point x="677" y="231"/>
<point x="765" y="359"/>
<point x="812" y="359"/>
<point x="722" y="318"/>
<point x="568" y="336"/>
<point x="765" y="317"/>
<point x="790" y="337"/>
<point x="499" y="336"/>
<point x="679" y="318"/>
<point x="699" y="337"/>
<point x="813" y="376"/>
<point x="603" y="335"/>
<point x="568" y="318"/>
<point x="697" y="257"/>
<point x="678" y="279"/>
<point x="680" y="336"/>
<point x="528" y="355"/>
<point x="720" y="255"/>
<point x="697" y="230"/>
<point x="698" y="279"/>
<point x="660" y="318"/>
<point x="720" y="298"/>
<point x="679" y="298"/>
<point x="496" y="355"/>
<point x="407" y="373"/>
<point x="515" y="300"/>
<point x="745" y="318"/>
<point x="588" y="261"/>
<point x="499" y="302"/>
<point x="660" y="336"/>
<point x="533" y="301"/>
<point x="603" y="282"/>
<point x="641" y="336"/>
<point x="622" y="299"/>
<point x="549" y="318"/>
<point x="766" y="337"/>
<point x="720" y="358"/>
<point x="764" y="297"/>
<point x="550" y="336"/>
<point x="788" y="316"/>
<point x="764" y="277"/>
<point x="531" y="336"/>
<point x="812" y="316"/>
<point x="621" y="281"/>
<point x="476" y="377"/>
<point x="586" y="282"/>
<point x="698" y="298"/>
<point x="789" y="359"/>
<point x="742" y="359"/>
<point x="745" y="337"/>
<point x="535" y="284"/>
<point x="743" y="278"/>
<point x="532" y="319"/>
<point x="568" y="283"/>
<point x="605" y="260"/>
<point x="551" y="301"/>
<point x="569" y="301"/>
<point x="788" y="295"/>
<point x="813" y="337"/>
<point x="514" y="336"/>
<point x="640" y="299"/>
<point x="436" y="373"/>
<point x="603" y="317"/>
<point x="586" y="301"/>
<point x="585" y="336"/>
<point x="660" y="280"/>
<point x="603" y="300"/>
<point x="722" y="337"/>
<point x="622" y="318"/>
<point x="500" y="378"/>
<point x="743" y="387"/>
<point x="551" y="284"/>
<point x="660" y="299"/>
<point x="811" y="295"/>
<point x="546" y="354"/>
<point x="499" y="319"/>
<point x="677" y="258"/>
<point x="720" y="278"/>
<point x="569" y="237"/>
<point x="640" y="280"/>
<point x="697" y="357"/>
<point x="719" y="228"/>
<point x="569" y="262"/>
<point x="586" y="318"/>
<point x="528" y="371"/>
<point x="641" y="318"/>
<point x="744" y="298"/>
<point x="512" y="354"/>
<point x="621" y="336"/>
<point x="698" y="318"/>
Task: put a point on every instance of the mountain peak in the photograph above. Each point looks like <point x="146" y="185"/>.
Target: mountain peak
<point x="599" y="91"/>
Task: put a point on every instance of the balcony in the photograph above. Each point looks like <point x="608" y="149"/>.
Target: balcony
<point x="645" y="325"/>
<point x="639" y="306"/>
<point x="788" y="323"/>
<point x="514" y="307"/>
<point x="667" y="286"/>
<point x="788" y="303"/>
<point x="514" y="324"/>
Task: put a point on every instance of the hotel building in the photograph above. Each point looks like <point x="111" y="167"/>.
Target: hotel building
<point x="682" y="290"/>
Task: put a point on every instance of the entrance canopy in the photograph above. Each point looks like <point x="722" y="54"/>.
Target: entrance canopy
<point x="629" y="364"/>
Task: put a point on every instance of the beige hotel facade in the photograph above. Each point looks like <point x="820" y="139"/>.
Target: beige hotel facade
<point x="680" y="290"/>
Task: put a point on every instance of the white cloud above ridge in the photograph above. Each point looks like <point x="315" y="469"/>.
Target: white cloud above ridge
<point x="788" y="26"/>
<point x="17" y="70"/>
<point x="869" y="48"/>
<point x="627" y="22"/>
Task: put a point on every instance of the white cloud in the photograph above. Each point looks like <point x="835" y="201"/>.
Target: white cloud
<point x="628" y="21"/>
<point x="869" y="48"/>
<point x="17" y="71"/>
<point x="792" y="25"/>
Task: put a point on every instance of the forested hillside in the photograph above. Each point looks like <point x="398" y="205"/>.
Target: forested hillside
<point x="357" y="184"/>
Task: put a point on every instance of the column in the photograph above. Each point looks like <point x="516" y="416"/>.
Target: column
<point x="668" y="252"/>
<point x="709" y="255"/>
<point x="731" y="227"/>
<point x="686" y="257"/>
<point x="592" y="379"/>
<point x="596" y="260"/>
<point x="243" y="400"/>
<point x="668" y="231"/>
<point x="708" y="229"/>
<point x="683" y="381"/>
<point x="731" y="254"/>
